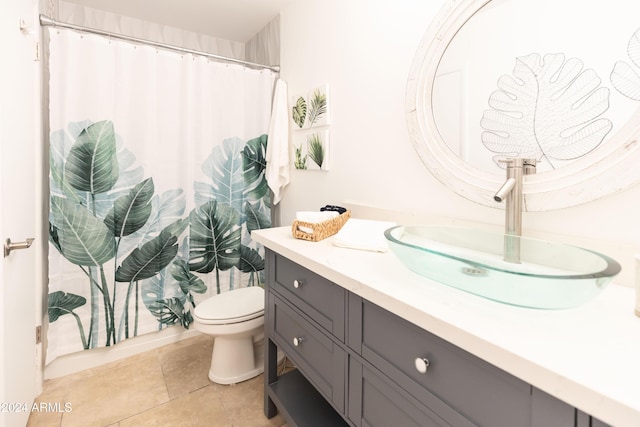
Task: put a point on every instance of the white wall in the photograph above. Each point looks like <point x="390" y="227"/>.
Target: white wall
<point x="364" y="50"/>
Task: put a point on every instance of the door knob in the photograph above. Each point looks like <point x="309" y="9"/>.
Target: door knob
<point x="9" y="246"/>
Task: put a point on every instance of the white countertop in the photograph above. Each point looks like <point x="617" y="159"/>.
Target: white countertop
<point x="588" y="356"/>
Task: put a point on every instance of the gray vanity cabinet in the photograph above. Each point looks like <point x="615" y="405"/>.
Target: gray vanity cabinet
<point x="321" y="360"/>
<point x="457" y="385"/>
<point x="375" y="400"/>
<point x="360" y="365"/>
<point x="305" y="318"/>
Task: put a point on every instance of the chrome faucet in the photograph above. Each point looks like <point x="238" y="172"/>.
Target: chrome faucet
<point x="511" y="194"/>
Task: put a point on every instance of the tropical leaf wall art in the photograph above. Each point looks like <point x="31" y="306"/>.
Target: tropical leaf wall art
<point x="139" y="250"/>
<point x="626" y="77"/>
<point x="311" y="109"/>
<point x="299" y="112"/>
<point x="310" y="115"/>
<point x="312" y="149"/>
<point x="301" y="158"/>
<point x="548" y="109"/>
<point x="318" y="109"/>
<point x="315" y="149"/>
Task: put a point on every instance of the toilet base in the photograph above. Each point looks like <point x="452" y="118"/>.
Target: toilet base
<point x="236" y="359"/>
<point x="236" y="379"/>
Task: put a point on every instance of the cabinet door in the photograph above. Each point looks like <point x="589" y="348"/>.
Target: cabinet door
<point x="547" y="411"/>
<point x="375" y="401"/>
<point x="598" y="423"/>
<point x="320" y="360"/>
<point x="427" y="366"/>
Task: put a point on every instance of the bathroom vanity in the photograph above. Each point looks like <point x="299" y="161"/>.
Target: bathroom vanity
<point x="377" y="345"/>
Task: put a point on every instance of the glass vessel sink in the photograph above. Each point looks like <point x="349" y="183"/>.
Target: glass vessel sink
<point x="550" y="275"/>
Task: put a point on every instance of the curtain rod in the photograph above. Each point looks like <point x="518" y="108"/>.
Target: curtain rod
<point x="46" y="21"/>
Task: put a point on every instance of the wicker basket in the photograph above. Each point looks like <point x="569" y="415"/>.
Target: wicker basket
<point x="321" y="230"/>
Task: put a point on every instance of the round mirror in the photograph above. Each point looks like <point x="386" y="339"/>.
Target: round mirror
<point x="555" y="81"/>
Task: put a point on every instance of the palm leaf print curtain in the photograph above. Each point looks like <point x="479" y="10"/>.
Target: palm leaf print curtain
<point x="156" y="181"/>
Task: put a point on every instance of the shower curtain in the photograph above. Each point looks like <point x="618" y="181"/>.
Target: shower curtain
<point x="156" y="181"/>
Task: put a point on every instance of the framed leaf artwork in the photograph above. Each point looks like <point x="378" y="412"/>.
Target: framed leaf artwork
<point x="311" y="109"/>
<point x="311" y="149"/>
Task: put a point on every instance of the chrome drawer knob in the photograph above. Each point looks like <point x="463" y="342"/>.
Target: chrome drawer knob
<point x="422" y="364"/>
<point x="297" y="283"/>
<point x="297" y="341"/>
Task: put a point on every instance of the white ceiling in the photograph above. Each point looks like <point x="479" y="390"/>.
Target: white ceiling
<point x="237" y="20"/>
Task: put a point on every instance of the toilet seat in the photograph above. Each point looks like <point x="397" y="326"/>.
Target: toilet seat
<point x="235" y="306"/>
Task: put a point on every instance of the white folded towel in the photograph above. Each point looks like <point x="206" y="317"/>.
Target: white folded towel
<point x="277" y="155"/>
<point x="314" y="217"/>
<point x="363" y="234"/>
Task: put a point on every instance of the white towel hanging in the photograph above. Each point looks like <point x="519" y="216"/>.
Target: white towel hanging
<point x="277" y="155"/>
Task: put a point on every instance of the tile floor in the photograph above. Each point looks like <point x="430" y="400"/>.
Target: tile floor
<point x="163" y="387"/>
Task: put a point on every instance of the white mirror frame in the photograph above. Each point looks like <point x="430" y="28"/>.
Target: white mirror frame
<point x="612" y="167"/>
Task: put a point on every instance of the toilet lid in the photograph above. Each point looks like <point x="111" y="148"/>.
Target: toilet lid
<point x="233" y="306"/>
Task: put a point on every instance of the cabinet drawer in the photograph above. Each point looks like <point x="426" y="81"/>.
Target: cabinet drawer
<point x="322" y="300"/>
<point x="317" y="357"/>
<point x="481" y="392"/>
<point x="547" y="411"/>
<point x="374" y="401"/>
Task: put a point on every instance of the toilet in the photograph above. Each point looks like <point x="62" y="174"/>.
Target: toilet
<point x="236" y="319"/>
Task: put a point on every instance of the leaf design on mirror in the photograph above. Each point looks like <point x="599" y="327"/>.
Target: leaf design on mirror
<point x="299" y="112"/>
<point x="624" y="77"/>
<point x="548" y="109"/>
